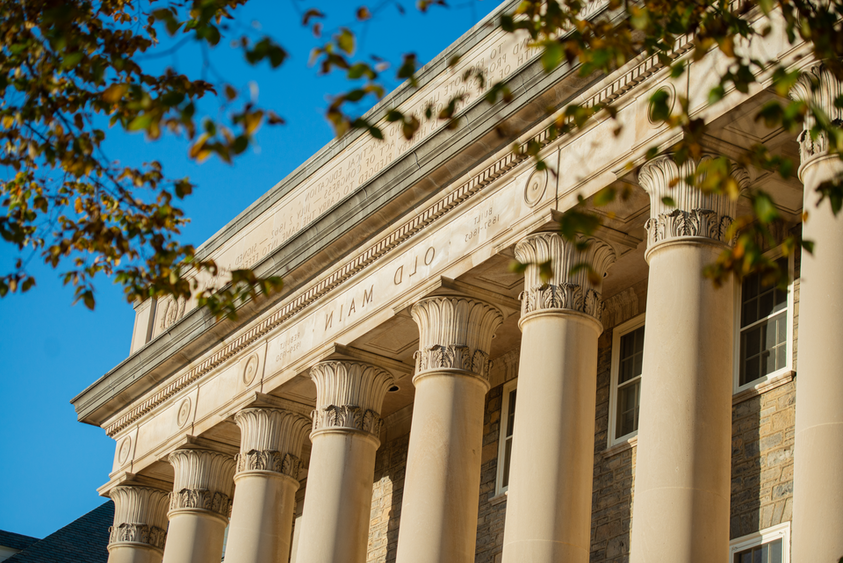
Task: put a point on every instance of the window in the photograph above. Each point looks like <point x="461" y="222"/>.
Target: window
<point x="505" y="441"/>
<point x="627" y="364"/>
<point x="767" y="546"/>
<point x="764" y="343"/>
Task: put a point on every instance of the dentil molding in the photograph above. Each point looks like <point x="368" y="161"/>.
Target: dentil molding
<point x="696" y="213"/>
<point x="455" y="333"/>
<point x="140" y="516"/>
<point x="567" y="288"/>
<point x="349" y="395"/>
<point x="203" y="481"/>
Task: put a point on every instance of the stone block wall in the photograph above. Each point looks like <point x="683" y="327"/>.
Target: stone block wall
<point x="491" y="513"/>
<point x="762" y="460"/>
<point x="390" y="466"/>
<point x="614" y="471"/>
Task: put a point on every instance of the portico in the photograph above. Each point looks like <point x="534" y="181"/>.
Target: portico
<point x="368" y="412"/>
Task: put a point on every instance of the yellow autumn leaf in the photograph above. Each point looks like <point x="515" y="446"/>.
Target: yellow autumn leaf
<point x="114" y="93"/>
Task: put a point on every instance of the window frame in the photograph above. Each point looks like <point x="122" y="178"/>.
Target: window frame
<point x="508" y="387"/>
<point x="788" y="367"/>
<point x="617" y="333"/>
<point x="767" y="535"/>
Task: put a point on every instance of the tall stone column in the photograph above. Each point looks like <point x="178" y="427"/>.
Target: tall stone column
<point x="140" y="525"/>
<point x="200" y="505"/>
<point x="818" y="450"/>
<point x="548" y="512"/>
<point x="345" y="437"/>
<point x="442" y="485"/>
<point x="682" y="475"/>
<point x="266" y="482"/>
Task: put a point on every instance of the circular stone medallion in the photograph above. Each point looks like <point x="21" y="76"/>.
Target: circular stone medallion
<point x="535" y="188"/>
<point x="184" y="412"/>
<point x="251" y="369"/>
<point x="125" y="447"/>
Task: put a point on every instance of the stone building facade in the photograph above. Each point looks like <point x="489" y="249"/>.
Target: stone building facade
<point x="408" y="398"/>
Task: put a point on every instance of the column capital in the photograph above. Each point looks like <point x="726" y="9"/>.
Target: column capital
<point x="349" y="396"/>
<point x="696" y="214"/>
<point x="455" y="333"/>
<point x="140" y="517"/>
<point x="203" y="481"/>
<point x="817" y="86"/>
<point x="567" y="289"/>
<point x="270" y="440"/>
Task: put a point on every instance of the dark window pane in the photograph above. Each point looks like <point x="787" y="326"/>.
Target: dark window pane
<point x="775" y="551"/>
<point x="631" y="355"/>
<point x="628" y="405"/>
<point x="510" y="417"/>
<point x="507" y="456"/>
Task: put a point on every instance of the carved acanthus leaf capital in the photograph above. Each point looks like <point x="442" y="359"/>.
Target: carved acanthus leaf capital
<point x="140" y="516"/>
<point x="569" y="287"/>
<point x="349" y="395"/>
<point x="679" y="209"/>
<point x="819" y="87"/>
<point x="269" y="460"/>
<point x="455" y="333"/>
<point x="270" y="440"/>
<point x="203" y="481"/>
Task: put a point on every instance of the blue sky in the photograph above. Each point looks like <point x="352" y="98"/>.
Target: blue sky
<point x="52" y="464"/>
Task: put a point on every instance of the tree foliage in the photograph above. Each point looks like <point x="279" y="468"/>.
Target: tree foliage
<point x="69" y="69"/>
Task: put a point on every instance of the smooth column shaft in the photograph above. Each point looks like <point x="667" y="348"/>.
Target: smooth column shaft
<point x="338" y="498"/>
<point x="818" y="452"/>
<point x="440" y="504"/>
<point x="126" y="554"/>
<point x="548" y="513"/>
<point x="261" y="518"/>
<point x="194" y="537"/>
<point x="682" y="476"/>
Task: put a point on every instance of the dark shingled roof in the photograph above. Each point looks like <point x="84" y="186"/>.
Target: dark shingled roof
<point x="15" y="541"/>
<point x="82" y="541"/>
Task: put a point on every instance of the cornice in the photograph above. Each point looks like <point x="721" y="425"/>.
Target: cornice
<point x="455" y="333"/>
<point x="569" y="287"/>
<point x="432" y="213"/>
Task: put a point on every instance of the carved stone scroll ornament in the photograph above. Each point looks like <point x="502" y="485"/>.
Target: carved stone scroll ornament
<point x="695" y="213"/>
<point x="201" y="499"/>
<point x="817" y="86"/>
<point x="349" y="396"/>
<point x="140" y="516"/>
<point x="455" y="333"/>
<point x="564" y="290"/>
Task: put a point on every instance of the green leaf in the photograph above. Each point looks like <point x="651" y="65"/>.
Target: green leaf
<point x="345" y="41"/>
<point x="552" y="55"/>
<point x="140" y="122"/>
